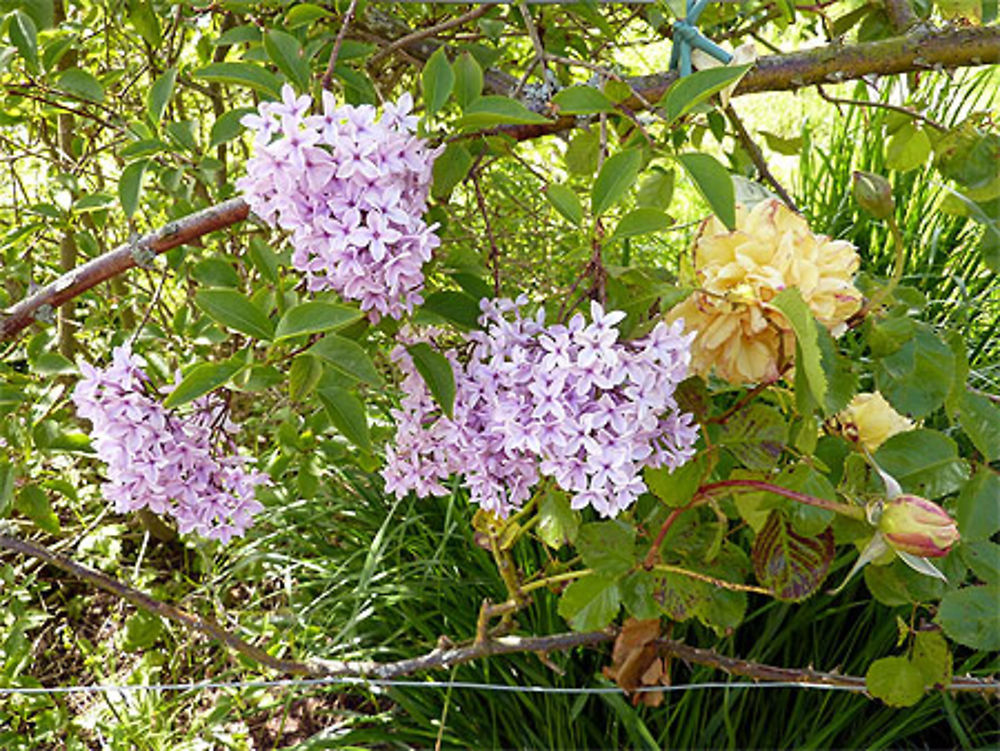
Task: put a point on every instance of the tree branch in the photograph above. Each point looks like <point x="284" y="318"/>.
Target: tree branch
<point x="79" y="280"/>
<point x="449" y="657"/>
<point x="922" y="48"/>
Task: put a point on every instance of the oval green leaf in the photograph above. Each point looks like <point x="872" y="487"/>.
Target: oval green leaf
<point x="714" y="183"/>
<point x="201" y="379"/>
<point x="242" y="74"/>
<point x="159" y="94"/>
<point x="617" y="175"/>
<point x="582" y="100"/>
<point x="347" y="413"/>
<point x="313" y="317"/>
<point x="565" y="201"/>
<point x="641" y="222"/>
<point x="284" y="51"/>
<point x="234" y="310"/>
<point x="436" y="371"/>
<point x="437" y="80"/>
<point x="347" y="357"/>
<point x="694" y="89"/>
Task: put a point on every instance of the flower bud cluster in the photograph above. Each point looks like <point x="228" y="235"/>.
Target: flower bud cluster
<point x="352" y="190"/>
<point x="161" y="461"/>
<point x="570" y="402"/>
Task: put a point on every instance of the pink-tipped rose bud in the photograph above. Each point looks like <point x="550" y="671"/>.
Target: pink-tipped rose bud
<point x="915" y="525"/>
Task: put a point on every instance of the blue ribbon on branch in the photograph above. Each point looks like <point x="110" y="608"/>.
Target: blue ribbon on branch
<point x="687" y="37"/>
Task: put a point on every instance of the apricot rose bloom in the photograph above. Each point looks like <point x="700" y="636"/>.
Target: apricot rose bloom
<point x="739" y="334"/>
<point x="871" y="420"/>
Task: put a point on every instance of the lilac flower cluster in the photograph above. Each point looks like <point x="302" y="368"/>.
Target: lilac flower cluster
<point x="352" y="190"/>
<point x="567" y="401"/>
<point x="163" y="462"/>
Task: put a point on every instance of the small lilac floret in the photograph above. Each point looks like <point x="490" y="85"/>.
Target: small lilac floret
<point x="570" y="402"/>
<point x="164" y="462"/>
<point x="351" y="188"/>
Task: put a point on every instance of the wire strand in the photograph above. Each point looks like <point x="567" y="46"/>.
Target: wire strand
<point x="400" y="683"/>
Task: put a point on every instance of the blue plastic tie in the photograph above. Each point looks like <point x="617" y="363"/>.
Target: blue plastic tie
<point x="687" y="37"/>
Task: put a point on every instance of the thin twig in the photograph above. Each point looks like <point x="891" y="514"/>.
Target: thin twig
<point x="335" y="52"/>
<point x="452" y="656"/>
<point x="430" y="31"/>
<point x="909" y="112"/>
<point x="494" y="248"/>
<point x="757" y="156"/>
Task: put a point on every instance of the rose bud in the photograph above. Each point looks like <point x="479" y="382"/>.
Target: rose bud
<point x="912" y="524"/>
<point x="874" y="194"/>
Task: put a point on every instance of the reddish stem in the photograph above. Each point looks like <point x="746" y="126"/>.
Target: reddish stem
<point x="855" y="512"/>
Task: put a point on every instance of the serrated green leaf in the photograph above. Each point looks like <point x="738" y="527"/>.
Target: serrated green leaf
<point x="971" y="617"/>
<point x="313" y="317"/>
<point x="932" y="658"/>
<point x="917" y="378"/>
<point x="607" y="547"/>
<point x="488" y="111"/>
<point x="201" y="379"/>
<point x="983" y="557"/>
<point x="637" y="595"/>
<point x="347" y="413"/>
<point x="907" y="148"/>
<point x="924" y="462"/>
<point x="437" y="373"/>
<point x="236" y="311"/>
<point x="565" y="201"/>
<point x="980" y="419"/>
<point x="978" y="512"/>
<point x="80" y="83"/>
<point x="789" y="301"/>
<point x="160" y="93"/>
<point x="582" y="100"/>
<point x="792" y="566"/>
<point x="130" y="186"/>
<point x="348" y="358"/>
<point x="437" y="80"/>
<point x="558" y="524"/>
<point x="641" y="221"/>
<point x="675" y="487"/>
<point x="896" y="681"/>
<point x="242" y="74"/>
<point x="285" y="52"/>
<point x="756" y="436"/>
<point x="690" y="91"/>
<point x="617" y="175"/>
<point x="590" y="603"/>
<point x="714" y="183"/>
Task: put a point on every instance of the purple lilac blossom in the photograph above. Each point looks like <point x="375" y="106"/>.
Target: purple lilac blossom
<point x="351" y="188"/>
<point x="164" y="462"/>
<point x="570" y="402"/>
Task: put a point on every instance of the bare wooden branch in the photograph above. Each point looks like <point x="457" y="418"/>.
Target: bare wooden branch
<point x="327" y="80"/>
<point x="410" y="39"/>
<point x="448" y="657"/>
<point x="79" y="280"/>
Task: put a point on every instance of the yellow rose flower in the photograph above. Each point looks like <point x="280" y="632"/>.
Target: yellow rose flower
<point x="738" y="272"/>
<point x="871" y="420"/>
